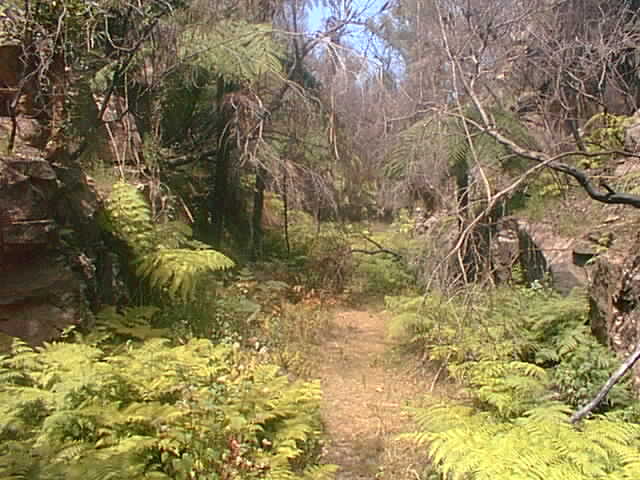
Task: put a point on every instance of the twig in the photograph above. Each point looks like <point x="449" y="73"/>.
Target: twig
<point x="438" y="373"/>
<point x="613" y="379"/>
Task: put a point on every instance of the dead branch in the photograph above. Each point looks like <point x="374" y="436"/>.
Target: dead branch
<point x="613" y="379"/>
<point x="380" y="249"/>
<point x="376" y="252"/>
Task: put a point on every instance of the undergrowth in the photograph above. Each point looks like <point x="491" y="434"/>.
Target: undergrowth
<point x="153" y="409"/>
<point x="524" y="359"/>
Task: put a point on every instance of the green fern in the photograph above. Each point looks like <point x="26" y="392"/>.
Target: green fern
<point x="524" y="359"/>
<point x="540" y="444"/>
<point x="176" y="271"/>
<point x="154" y="411"/>
<point x="169" y="269"/>
<point x="129" y="218"/>
<point x="134" y="322"/>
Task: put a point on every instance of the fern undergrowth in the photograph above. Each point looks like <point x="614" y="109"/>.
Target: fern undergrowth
<point x="524" y="359"/>
<point x="154" y="410"/>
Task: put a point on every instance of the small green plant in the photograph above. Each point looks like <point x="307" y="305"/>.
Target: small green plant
<point x="607" y="134"/>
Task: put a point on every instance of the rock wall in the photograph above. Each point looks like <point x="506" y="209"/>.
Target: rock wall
<point x="541" y="254"/>
<point x="52" y="255"/>
<point x="615" y="299"/>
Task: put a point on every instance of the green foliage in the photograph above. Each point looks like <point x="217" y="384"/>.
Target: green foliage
<point x="464" y="443"/>
<point x="133" y="323"/>
<point x="524" y="359"/>
<point x="329" y="262"/>
<point x="176" y="271"/>
<point x="606" y="133"/>
<point x="169" y="269"/>
<point x="320" y="255"/>
<point x="129" y="218"/>
<point x="532" y="325"/>
<point x="469" y="145"/>
<point x="236" y="50"/>
<point x="154" y="411"/>
<point x="381" y="274"/>
<point x="457" y="330"/>
<point x="584" y="366"/>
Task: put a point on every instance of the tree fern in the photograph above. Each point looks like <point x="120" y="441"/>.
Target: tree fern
<point x="236" y="50"/>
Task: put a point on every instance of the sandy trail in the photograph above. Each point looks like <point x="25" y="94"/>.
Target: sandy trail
<point x="364" y="392"/>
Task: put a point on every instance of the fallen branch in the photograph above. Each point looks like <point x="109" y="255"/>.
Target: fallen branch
<point x="376" y="252"/>
<point x="613" y="379"/>
<point x="379" y="246"/>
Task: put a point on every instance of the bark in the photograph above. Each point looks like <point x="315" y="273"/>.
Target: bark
<point x="285" y="214"/>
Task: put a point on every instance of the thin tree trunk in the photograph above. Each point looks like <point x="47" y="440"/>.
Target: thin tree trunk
<point x="258" y="210"/>
<point x="218" y="194"/>
<point x="14" y="126"/>
<point x="285" y="214"/>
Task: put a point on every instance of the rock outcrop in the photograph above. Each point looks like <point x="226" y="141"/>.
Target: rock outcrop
<point x="614" y="296"/>
<point x="539" y="251"/>
<point x="51" y="251"/>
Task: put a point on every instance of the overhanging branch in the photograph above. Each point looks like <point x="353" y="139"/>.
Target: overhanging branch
<point x="380" y="249"/>
<point x="607" y="195"/>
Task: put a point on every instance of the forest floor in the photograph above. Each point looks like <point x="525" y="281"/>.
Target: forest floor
<point x="366" y="384"/>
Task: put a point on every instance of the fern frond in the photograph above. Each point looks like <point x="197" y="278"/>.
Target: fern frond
<point x="176" y="271"/>
<point x="132" y="322"/>
<point x="129" y="217"/>
<point x="238" y="51"/>
<point x="319" y="472"/>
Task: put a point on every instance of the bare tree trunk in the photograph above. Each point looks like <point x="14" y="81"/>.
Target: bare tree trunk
<point x="258" y="210"/>
<point x="285" y="214"/>
<point x="218" y="190"/>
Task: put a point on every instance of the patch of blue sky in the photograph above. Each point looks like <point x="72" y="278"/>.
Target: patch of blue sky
<point x="357" y="37"/>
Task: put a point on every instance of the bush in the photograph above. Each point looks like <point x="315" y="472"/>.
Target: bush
<point x="381" y="275"/>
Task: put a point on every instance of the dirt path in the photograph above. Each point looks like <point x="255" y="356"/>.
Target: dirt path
<point x="364" y="391"/>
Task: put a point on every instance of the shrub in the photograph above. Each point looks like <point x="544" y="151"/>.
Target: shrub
<point x="380" y="275"/>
